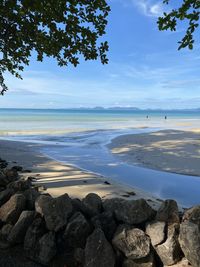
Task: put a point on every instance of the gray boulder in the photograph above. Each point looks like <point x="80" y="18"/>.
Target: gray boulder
<point x="132" y="242"/>
<point x="77" y="231"/>
<point x="168" y="212"/>
<point x="5" y="231"/>
<point x="98" y="251"/>
<point x="56" y="211"/>
<point x="129" y="211"/>
<point x="145" y="262"/>
<point x="12" y="209"/>
<point x="19" y="229"/>
<point x="31" y="241"/>
<point x="20" y="185"/>
<point x="170" y="251"/>
<point x="156" y="231"/>
<point x="190" y="235"/>
<point x="11" y="174"/>
<point x="47" y="248"/>
<point x="31" y="195"/>
<point x="92" y="204"/>
<point x="106" y="222"/>
<point x="3" y="179"/>
<point x="5" y="195"/>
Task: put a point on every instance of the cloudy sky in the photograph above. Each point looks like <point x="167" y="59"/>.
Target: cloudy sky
<point x="145" y="69"/>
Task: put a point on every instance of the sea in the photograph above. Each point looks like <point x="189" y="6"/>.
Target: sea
<point x="80" y="137"/>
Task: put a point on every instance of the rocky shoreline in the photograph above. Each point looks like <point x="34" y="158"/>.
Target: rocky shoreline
<point x="39" y="230"/>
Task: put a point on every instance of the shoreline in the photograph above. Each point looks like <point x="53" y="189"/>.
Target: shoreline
<point x="58" y="178"/>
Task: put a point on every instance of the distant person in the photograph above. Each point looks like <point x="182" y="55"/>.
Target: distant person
<point x="147" y="116"/>
<point x="165" y="117"/>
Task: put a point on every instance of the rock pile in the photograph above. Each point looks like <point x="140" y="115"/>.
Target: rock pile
<point x="69" y="232"/>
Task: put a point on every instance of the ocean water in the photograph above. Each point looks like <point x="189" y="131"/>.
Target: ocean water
<point x="79" y="137"/>
<point x="30" y="121"/>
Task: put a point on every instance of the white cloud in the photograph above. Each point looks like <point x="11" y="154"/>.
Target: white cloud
<point x="149" y="8"/>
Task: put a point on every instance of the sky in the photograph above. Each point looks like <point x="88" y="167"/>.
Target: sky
<point x="145" y="68"/>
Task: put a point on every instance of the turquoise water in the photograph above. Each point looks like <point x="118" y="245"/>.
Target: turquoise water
<point x="28" y="121"/>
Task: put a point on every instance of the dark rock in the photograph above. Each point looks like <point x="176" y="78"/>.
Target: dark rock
<point x="72" y="258"/>
<point x="156" y="231"/>
<point x="18" y="231"/>
<point x="20" y="185"/>
<point x="77" y="231"/>
<point x="56" y="211"/>
<point x="170" y="251"/>
<point x="106" y="222"/>
<point x="12" y="209"/>
<point x="129" y="211"/>
<point x="98" y="251"/>
<point x="93" y="204"/>
<point x="11" y="174"/>
<point x="47" y="248"/>
<point x="190" y="235"/>
<point x="168" y="212"/>
<point x="17" y="168"/>
<point x="5" y="231"/>
<point x="31" y="195"/>
<point x="78" y="205"/>
<point x="31" y="241"/>
<point x="5" y="195"/>
<point x="3" y="179"/>
<point x="3" y="164"/>
<point x="132" y="242"/>
<point x="145" y="262"/>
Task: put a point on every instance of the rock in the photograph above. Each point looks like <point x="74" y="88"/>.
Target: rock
<point x="47" y="248"/>
<point x="79" y="206"/>
<point x="93" y="204"/>
<point x="132" y="242"/>
<point x="17" y="168"/>
<point x="31" y="195"/>
<point x="156" y="231"/>
<point x="3" y="179"/>
<point x="168" y="212"/>
<point x="20" y="185"/>
<point x="106" y="222"/>
<point x="77" y="231"/>
<point x="129" y="211"/>
<point x="182" y="263"/>
<point x="5" y="195"/>
<point x="3" y="164"/>
<point x="56" y="211"/>
<point x="11" y="174"/>
<point x="98" y="251"/>
<point x="5" y="231"/>
<point x="145" y="262"/>
<point x="18" y="231"/>
<point x="31" y="241"/>
<point x="12" y="209"/>
<point x="170" y="251"/>
<point x="189" y="237"/>
<point x="74" y="258"/>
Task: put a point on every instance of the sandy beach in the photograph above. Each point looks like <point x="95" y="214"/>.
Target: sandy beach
<point x="57" y="178"/>
<point x="167" y="150"/>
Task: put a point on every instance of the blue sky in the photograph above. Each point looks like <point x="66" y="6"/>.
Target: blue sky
<point x="145" y="69"/>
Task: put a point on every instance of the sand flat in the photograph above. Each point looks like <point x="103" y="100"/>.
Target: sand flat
<point x="58" y="178"/>
<point x="167" y="150"/>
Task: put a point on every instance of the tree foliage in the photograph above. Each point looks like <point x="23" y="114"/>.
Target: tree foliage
<point x="189" y="10"/>
<point x="64" y="30"/>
